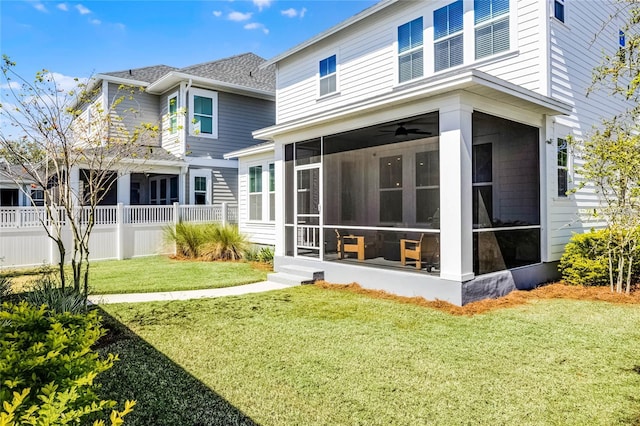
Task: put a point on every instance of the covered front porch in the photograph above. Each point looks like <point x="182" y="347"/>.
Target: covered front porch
<point x="442" y="197"/>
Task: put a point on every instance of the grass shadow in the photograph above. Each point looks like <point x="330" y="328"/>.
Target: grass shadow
<point x="165" y="393"/>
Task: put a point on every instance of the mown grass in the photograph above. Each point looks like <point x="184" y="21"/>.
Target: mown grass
<point x="307" y="355"/>
<point x="159" y="273"/>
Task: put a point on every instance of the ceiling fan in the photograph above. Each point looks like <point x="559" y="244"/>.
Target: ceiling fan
<point x="403" y="131"/>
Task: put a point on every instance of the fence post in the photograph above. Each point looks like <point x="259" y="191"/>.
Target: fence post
<point x="120" y="231"/>
<point x="225" y="214"/>
<point x="176" y="219"/>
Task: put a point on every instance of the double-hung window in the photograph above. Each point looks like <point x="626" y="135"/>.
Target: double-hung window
<point x="558" y="10"/>
<point x="200" y="189"/>
<point x="491" y="27"/>
<point x="172" y="109"/>
<point x="447" y="27"/>
<point x="272" y="192"/>
<point x="563" y="168"/>
<point x="410" y="52"/>
<point x="203" y="113"/>
<point x="328" y="75"/>
<point x="255" y="193"/>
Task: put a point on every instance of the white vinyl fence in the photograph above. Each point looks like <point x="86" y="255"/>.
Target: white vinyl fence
<point x="120" y="232"/>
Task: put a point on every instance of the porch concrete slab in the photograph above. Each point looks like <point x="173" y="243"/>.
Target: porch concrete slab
<point x="258" y="287"/>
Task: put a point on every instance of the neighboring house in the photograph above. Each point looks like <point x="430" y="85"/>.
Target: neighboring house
<point x="13" y="194"/>
<point x="420" y="147"/>
<point x="202" y="111"/>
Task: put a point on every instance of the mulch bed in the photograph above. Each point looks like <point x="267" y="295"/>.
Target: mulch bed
<point x="515" y="298"/>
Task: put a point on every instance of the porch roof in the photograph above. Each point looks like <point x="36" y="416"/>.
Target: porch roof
<point x="471" y="81"/>
<point x="251" y="150"/>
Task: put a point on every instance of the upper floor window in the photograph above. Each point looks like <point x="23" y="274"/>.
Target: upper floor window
<point x="491" y="27"/>
<point x="447" y="27"/>
<point x="203" y="113"/>
<point x="558" y="10"/>
<point x="563" y="168"/>
<point x="328" y="74"/>
<point x="172" y="108"/>
<point x="410" y="55"/>
<point x="622" y="38"/>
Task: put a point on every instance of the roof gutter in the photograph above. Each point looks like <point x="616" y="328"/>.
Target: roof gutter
<point x="172" y="78"/>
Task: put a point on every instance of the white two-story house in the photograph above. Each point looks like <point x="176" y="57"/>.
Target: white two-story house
<point x="420" y="146"/>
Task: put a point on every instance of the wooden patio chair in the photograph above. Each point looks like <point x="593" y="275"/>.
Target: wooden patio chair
<point x="350" y="244"/>
<point x="414" y="249"/>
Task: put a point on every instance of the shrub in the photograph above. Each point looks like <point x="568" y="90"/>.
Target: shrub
<point x="6" y="291"/>
<point x="224" y="242"/>
<point x="586" y="261"/>
<point x="188" y="238"/>
<point x="208" y="241"/>
<point x="260" y="254"/>
<point x="47" y="367"/>
<point x="46" y="290"/>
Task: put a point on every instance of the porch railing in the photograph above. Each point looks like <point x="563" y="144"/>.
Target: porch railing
<point x="33" y="217"/>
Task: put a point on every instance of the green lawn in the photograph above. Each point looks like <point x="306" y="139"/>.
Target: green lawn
<point x="310" y="356"/>
<point x="159" y="273"/>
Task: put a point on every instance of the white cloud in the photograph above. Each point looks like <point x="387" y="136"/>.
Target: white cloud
<point x="83" y="10"/>
<point x="11" y="85"/>
<point x="120" y="26"/>
<point x="239" y="16"/>
<point x="217" y="13"/>
<point x="40" y="7"/>
<point x="95" y="21"/>
<point x="65" y="82"/>
<point x="262" y="4"/>
<point x="256" y="26"/>
<point x="63" y="6"/>
<point x="292" y="13"/>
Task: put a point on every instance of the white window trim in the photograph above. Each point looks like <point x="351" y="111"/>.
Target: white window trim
<point x="553" y="10"/>
<point x="266" y="194"/>
<point x="450" y="36"/>
<point x="422" y="47"/>
<point x="512" y="31"/>
<point x="171" y="96"/>
<point x="336" y="74"/>
<point x="193" y="173"/>
<point x="214" y="97"/>
<point x="269" y="192"/>
<point x="569" y="167"/>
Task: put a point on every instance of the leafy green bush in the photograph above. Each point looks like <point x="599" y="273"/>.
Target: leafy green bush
<point x="586" y="261"/>
<point x="207" y="241"/>
<point x="45" y="290"/>
<point x="260" y="254"/>
<point x="47" y="367"/>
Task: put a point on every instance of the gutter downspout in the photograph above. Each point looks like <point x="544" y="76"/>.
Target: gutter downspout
<point x="185" y="132"/>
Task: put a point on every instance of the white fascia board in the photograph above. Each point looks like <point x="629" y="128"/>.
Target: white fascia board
<point x="211" y="162"/>
<point x="173" y="78"/>
<point x="421" y="89"/>
<point x="339" y="27"/>
<point x="120" y="80"/>
<point x="252" y="150"/>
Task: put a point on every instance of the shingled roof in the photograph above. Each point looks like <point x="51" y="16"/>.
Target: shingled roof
<point x="147" y="74"/>
<point x="242" y="70"/>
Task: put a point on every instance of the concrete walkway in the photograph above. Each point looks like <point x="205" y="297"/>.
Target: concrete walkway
<point x="185" y="295"/>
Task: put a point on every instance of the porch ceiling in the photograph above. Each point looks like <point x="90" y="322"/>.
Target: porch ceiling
<point x="471" y="81"/>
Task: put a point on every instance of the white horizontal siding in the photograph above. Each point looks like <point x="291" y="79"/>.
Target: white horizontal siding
<point x="367" y="58"/>
<point x="576" y="47"/>
<point x="258" y="232"/>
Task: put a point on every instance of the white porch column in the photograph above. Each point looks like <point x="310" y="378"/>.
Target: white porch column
<point x="182" y="185"/>
<point x="74" y="182"/>
<point x="280" y="197"/>
<point x="124" y="188"/>
<point x="456" y="236"/>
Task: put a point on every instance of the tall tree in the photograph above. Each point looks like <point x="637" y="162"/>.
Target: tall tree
<point x="49" y="135"/>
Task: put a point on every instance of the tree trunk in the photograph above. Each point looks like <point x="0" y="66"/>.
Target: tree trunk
<point x="629" y="276"/>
